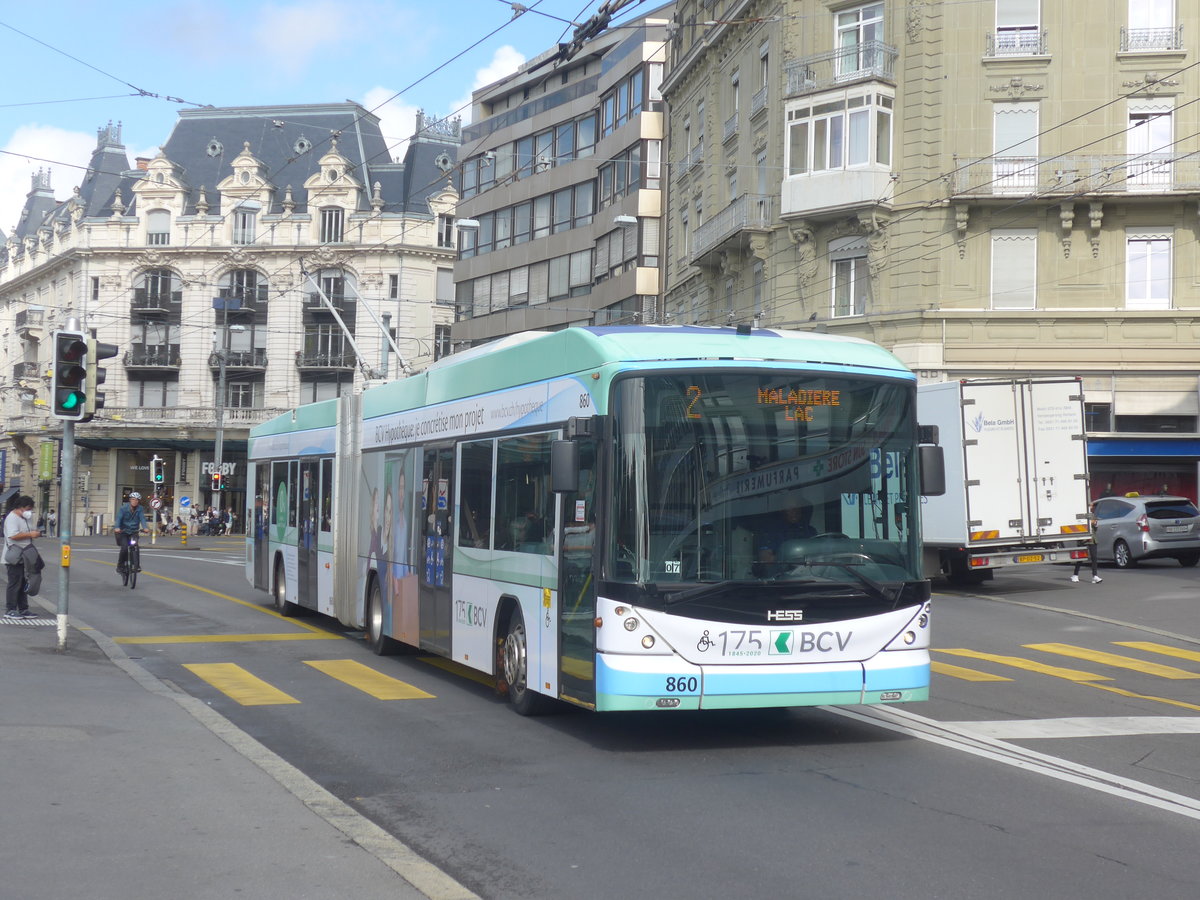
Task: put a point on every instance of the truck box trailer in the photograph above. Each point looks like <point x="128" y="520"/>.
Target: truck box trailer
<point x="1016" y="475"/>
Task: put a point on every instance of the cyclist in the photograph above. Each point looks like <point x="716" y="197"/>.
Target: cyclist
<point x="131" y="520"/>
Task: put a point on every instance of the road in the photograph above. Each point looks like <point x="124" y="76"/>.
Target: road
<point x="1058" y="756"/>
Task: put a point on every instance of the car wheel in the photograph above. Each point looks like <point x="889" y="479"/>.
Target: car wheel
<point x="1122" y="557"/>
<point x="1188" y="559"/>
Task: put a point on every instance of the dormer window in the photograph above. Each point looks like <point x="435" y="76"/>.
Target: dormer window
<point x="158" y="227"/>
<point x="331" y="225"/>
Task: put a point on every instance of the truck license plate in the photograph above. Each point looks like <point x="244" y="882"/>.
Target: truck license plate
<point x="1031" y="557"/>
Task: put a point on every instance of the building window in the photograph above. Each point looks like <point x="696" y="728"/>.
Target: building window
<point x="244" y="225"/>
<point x="393" y="286"/>
<point x="331" y="225"/>
<point x="758" y="280"/>
<point x="441" y="341"/>
<point x="1015" y="145"/>
<point x="1151" y="26"/>
<point x="1014" y="268"/>
<point x="1018" y="28"/>
<point x="162" y="394"/>
<point x="243" y="395"/>
<point x="445" y="231"/>
<point x="839" y="132"/>
<point x="95" y="288"/>
<point x="858" y="33"/>
<point x="850" y="276"/>
<point x="1147" y="269"/>
<point x="445" y="286"/>
<point x="158" y="227"/>
<point x="1148" y="143"/>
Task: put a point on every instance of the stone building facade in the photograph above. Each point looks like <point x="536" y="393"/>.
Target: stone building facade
<point x="987" y="189"/>
<point x="265" y="250"/>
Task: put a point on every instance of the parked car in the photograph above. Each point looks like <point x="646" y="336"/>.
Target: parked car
<point x="1133" y="528"/>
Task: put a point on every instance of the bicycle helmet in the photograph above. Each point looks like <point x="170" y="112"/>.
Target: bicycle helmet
<point x="134" y="495"/>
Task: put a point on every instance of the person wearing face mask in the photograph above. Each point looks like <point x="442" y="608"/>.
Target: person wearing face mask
<point x="18" y="534"/>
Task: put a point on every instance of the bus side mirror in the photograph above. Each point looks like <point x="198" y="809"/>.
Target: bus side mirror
<point x="932" y="464"/>
<point x="564" y="467"/>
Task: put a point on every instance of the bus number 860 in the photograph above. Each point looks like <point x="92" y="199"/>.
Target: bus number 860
<point x="682" y="685"/>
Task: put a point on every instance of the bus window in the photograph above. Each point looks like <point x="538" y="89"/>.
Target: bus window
<point x="475" y="495"/>
<point x="524" y="503"/>
<point x="326" y="495"/>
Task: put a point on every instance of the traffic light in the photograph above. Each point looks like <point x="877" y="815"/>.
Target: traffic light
<point x="156" y="471"/>
<point x="218" y="482"/>
<point x="69" y="387"/>
<point x="94" y="399"/>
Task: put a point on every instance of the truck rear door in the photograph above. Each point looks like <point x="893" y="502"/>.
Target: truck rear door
<point x="998" y="502"/>
<point x="1057" y="456"/>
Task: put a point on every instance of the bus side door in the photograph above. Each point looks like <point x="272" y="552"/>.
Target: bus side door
<point x="437" y="472"/>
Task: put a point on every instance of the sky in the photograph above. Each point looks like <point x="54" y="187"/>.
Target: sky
<point x="392" y="56"/>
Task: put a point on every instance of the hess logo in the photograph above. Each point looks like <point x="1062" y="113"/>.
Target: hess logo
<point x="785" y="615"/>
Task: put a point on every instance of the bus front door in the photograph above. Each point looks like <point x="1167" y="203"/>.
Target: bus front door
<point x="306" y="540"/>
<point x="437" y="474"/>
<point x="577" y="585"/>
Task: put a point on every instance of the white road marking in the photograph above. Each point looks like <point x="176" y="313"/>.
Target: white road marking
<point x="1081" y="726"/>
<point x="948" y="734"/>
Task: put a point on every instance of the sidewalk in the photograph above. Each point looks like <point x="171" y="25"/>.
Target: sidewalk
<point x="116" y="786"/>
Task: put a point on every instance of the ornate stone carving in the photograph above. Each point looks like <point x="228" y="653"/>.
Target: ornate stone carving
<point x="1066" y="219"/>
<point x="1016" y="87"/>
<point x="1150" y="84"/>
<point x="914" y="23"/>
<point x="962" y="216"/>
<point x="804" y="237"/>
<point x="1095" y="219"/>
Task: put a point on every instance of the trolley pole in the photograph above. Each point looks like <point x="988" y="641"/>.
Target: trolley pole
<point x="66" y="515"/>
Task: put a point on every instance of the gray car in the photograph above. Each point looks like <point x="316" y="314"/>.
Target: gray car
<point x="1133" y="528"/>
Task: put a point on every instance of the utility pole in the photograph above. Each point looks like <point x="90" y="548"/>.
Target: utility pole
<point x="219" y="449"/>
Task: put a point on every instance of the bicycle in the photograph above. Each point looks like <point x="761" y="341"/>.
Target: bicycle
<point x="133" y="561"/>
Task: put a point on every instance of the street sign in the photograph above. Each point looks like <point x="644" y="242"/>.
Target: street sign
<point x="185" y="502"/>
<point x="156" y="502"/>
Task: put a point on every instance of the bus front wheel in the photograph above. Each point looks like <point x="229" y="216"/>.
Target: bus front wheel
<point x="516" y="670"/>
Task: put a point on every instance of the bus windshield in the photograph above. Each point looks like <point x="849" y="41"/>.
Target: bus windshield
<point x="726" y="478"/>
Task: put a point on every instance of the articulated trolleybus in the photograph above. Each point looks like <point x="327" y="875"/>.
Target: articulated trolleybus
<point x="620" y="518"/>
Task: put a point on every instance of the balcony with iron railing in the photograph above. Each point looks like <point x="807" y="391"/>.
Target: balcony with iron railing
<point x="30" y="323"/>
<point x="1150" y="40"/>
<point x="732" y="226"/>
<point x="239" y="359"/>
<point x="325" y="360"/>
<point x="203" y="417"/>
<point x="152" y="356"/>
<point x="731" y="125"/>
<point x="313" y="302"/>
<point x="1016" y="42"/>
<point x="241" y="299"/>
<point x="759" y="101"/>
<point x="24" y="370"/>
<point x="151" y="301"/>
<point x="868" y="61"/>
<point x="1056" y="176"/>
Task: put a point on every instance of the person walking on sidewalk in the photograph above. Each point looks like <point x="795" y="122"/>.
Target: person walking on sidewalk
<point x="1091" y="551"/>
<point x="18" y="534"/>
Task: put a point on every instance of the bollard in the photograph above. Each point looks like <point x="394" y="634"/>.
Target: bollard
<point x="183" y="535"/>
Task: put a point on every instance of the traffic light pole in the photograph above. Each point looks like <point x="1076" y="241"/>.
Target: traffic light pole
<point x="66" y="514"/>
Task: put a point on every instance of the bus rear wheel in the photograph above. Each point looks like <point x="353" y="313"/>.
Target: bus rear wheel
<point x="380" y="643"/>
<point x="282" y="606"/>
<point x="515" y="658"/>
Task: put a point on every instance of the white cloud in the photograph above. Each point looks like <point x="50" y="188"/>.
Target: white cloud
<point x="289" y="35"/>
<point x="505" y="61"/>
<point x="397" y="119"/>
<point x="68" y="153"/>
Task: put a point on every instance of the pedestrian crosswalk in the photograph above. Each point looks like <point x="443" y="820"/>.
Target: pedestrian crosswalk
<point x="1103" y="667"/>
<point x="247" y="689"/>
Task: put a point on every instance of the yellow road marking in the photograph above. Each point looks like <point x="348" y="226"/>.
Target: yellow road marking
<point x="238" y="684"/>
<point x="367" y="680"/>
<point x="226" y="638"/>
<point x="1115" y="660"/>
<point x="1151" y="647"/>
<point x="459" y="669"/>
<point x="942" y="668"/>
<point x="1124" y="693"/>
<point x="1018" y="662"/>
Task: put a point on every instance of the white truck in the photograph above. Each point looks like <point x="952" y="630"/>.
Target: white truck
<point x="1016" y="475"/>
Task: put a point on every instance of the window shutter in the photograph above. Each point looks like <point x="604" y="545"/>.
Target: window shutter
<point x="1014" y="268"/>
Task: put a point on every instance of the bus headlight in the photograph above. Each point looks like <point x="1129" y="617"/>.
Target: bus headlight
<point x="631" y="624"/>
<point x="910" y="637"/>
<point x="648" y="641"/>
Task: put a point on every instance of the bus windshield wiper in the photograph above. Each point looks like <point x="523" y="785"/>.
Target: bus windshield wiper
<point x="851" y="568"/>
<point x="696" y="592"/>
